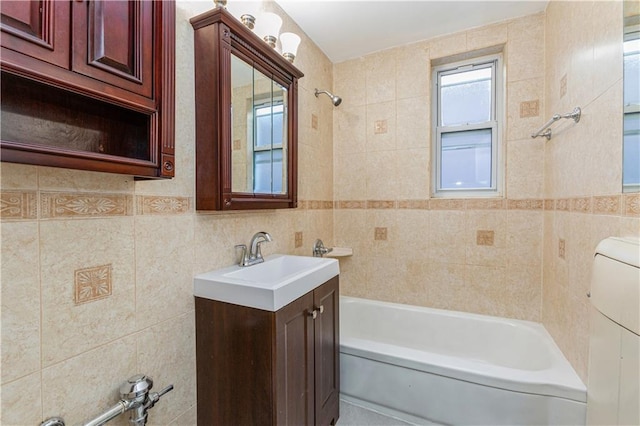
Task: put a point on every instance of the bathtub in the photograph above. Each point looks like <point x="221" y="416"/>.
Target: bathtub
<point x="428" y="365"/>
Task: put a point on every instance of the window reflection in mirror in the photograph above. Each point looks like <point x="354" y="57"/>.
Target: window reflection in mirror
<point x="631" y="129"/>
<point x="259" y="131"/>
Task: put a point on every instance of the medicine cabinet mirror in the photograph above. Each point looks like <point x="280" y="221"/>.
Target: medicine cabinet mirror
<point x="631" y="120"/>
<point x="246" y="118"/>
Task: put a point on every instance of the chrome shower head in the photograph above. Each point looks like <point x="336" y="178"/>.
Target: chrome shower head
<point x="335" y="100"/>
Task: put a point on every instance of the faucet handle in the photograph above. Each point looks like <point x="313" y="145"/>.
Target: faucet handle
<point x="243" y="257"/>
<point x="155" y="396"/>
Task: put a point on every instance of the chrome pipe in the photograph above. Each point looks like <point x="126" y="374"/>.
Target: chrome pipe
<point x="110" y="414"/>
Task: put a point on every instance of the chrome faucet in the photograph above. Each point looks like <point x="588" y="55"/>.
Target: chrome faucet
<point x="319" y="249"/>
<point x="254" y="255"/>
<point x="135" y="397"/>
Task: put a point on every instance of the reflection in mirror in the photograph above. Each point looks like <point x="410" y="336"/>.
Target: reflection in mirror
<point x="259" y="131"/>
<point x="631" y="140"/>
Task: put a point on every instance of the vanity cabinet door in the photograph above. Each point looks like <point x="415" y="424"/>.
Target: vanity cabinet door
<point x="37" y="29"/>
<point x="295" y="362"/>
<point x="113" y="43"/>
<point x="327" y="353"/>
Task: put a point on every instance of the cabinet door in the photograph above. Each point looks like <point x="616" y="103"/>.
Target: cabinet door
<point x="113" y="43"/>
<point x="294" y="362"/>
<point x="327" y="353"/>
<point x="39" y="29"/>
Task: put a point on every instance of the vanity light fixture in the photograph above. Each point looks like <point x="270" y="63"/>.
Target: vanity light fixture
<point x="268" y="27"/>
<point x="265" y="25"/>
<point x="290" y="43"/>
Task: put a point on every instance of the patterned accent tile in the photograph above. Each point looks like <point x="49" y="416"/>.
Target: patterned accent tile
<point x="563" y="204"/>
<point x="581" y="205"/>
<point x="298" y="239"/>
<point x="608" y="204"/>
<point x="380" y="234"/>
<point x="92" y="283"/>
<point x="525" y="204"/>
<point x="149" y="204"/>
<point x="381" y="204"/>
<point x="485" y="238"/>
<point x="446" y="204"/>
<point x="632" y="204"/>
<point x="414" y="204"/>
<point x="478" y="204"/>
<point x="314" y="121"/>
<point x="352" y="204"/>
<point x="529" y="109"/>
<point x="561" y="248"/>
<point x="380" y="127"/>
<point x="549" y="204"/>
<point x="18" y="205"/>
<point x="563" y="86"/>
<point x="237" y="144"/>
<point x="68" y="205"/>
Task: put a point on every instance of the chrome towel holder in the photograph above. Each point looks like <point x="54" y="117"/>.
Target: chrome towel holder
<point x="545" y="130"/>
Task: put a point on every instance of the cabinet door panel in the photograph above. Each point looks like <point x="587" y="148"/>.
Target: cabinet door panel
<point x="327" y="357"/>
<point x="294" y="362"/>
<point x="112" y="42"/>
<point x="39" y="29"/>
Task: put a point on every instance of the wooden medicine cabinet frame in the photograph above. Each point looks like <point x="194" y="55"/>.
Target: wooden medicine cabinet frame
<point x="218" y="35"/>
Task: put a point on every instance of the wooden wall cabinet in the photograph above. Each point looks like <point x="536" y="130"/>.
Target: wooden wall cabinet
<point x="256" y="367"/>
<point x="228" y="59"/>
<point x="89" y="85"/>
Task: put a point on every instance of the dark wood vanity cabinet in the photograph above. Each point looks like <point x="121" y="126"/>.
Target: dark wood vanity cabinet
<point x="256" y="367"/>
<point x="89" y="84"/>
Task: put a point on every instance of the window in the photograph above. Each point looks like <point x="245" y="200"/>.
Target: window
<point x="267" y="147"/>
<point x="467" y="104"/>
<point x="631" y="142"/>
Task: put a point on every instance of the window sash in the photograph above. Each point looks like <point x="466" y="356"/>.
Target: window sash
<point x="494" y="63"/>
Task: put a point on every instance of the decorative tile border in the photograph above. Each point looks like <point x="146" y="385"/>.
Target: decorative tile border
<point x="318" y="205"/>
<point x="55" y="205"/>
<point x="621" y="205"/>
<point x="632" y="204"/>
<point x="16" y="205"/>
<point x="525" y="204"/>
<point x="150" y="205"/>
<point x="609" y="204"/>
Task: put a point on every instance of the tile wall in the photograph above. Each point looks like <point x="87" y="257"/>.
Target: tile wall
<point x="97" y="269"/>
<point x="475" y="255"/>
<point x="582" y="165"/>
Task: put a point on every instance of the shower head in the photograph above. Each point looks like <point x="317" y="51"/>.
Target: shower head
<point x="335" y="100"/>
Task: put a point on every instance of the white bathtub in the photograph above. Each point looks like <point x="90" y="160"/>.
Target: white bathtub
<point x="430" y="365"/>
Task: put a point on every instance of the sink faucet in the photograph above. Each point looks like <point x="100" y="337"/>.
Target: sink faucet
<point x="254" y="255"/>
<point x="319" y="249"/>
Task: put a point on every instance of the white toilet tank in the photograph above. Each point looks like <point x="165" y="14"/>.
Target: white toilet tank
<point x="613" y="392"/>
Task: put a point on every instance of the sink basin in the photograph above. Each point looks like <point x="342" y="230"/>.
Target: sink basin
<point x="270" y="285"/>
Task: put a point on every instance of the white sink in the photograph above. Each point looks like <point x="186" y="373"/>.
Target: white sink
<point x="270" y="285"/>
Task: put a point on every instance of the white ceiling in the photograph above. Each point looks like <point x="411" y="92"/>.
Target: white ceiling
<point x="353" y="28"/>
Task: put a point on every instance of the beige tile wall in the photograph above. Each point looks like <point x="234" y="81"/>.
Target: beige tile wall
<point x="582" y="163"/>
<point x="382" y="137"/>
<point x="137" y="246"/>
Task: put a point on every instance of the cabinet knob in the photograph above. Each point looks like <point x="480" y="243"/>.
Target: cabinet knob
<point x="313" y="314"/>
<point x="321" y="308"/>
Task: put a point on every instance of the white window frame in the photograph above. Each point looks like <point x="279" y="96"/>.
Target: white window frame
<point x="495" y="124"/>
<point x="631" y="32"/>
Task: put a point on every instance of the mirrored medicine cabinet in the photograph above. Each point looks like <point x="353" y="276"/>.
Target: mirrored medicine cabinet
<point x="246" y="118"/>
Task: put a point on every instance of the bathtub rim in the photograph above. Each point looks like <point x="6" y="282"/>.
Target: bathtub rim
<point x="559" y="380"/>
